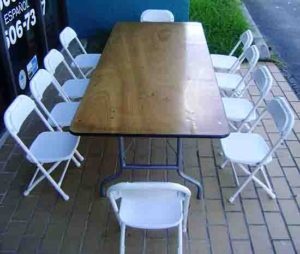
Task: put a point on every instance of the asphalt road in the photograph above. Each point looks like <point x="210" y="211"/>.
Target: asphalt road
<point x="279" y="22"/>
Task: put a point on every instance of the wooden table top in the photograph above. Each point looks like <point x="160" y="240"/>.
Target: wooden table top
<point x="153" y="79"/>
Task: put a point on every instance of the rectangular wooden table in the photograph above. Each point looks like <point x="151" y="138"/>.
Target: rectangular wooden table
<point x="154" y="80"/>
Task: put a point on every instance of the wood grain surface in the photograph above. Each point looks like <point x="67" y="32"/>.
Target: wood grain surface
<point x="154" y="79"/>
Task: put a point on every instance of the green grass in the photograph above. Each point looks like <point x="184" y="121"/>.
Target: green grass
<point x="222" y="20"/>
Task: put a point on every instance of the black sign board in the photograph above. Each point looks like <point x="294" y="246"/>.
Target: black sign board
<point x="22" y="31"/>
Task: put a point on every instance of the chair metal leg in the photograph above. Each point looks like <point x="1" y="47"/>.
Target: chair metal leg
<point x="224" y="164"/>
<point x="122" y="239"/>
<point x="236" y="179"/>
<point x="250" y="178"/>
<point x="180" y="238"/>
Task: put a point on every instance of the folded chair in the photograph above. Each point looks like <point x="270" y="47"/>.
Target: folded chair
<point x="49" y="147"/>
<point x="157" y="16"/>
<point x="233" y="84"/>
<point x="240" y="111"/>
<point x="250" y="152"/>
<point x="230" y="63"/>
<point x="150" y="205"/>
<point x="62" y="113"/>
<point x="83" y="60"/>
<point x="74" y="88"/>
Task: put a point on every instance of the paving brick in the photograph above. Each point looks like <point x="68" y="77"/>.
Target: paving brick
<point x="5" y="180"/>
<point x="273" y="68"/>
<point x="293" y="176"/>
<point x="281" y="187"/>
<point x="219" y="239"/>
<point x="260" y="239"/>
<point x="226" y="178"/>
<point x="285" y="86"/>
<point x="5" y="151"/>
<point x="211" y="188"/>
<point x="215" y="214"/>
<point x="237" y="225"/>
<point x="283" y="247"/>
<point x="294" y="147"/>
<point x="276" y="91"/>
<point x="205" y="147"/>
<point x="253" y="211"/>
<point x="6" y="213"/>
<point x="172" y="244"/>
<point x="208" y="167"/>
<point x="295" y="232"/>
<point x="154" y="246"/>
<point x="279" y="77"/>
<point x="229" y="207"/>
<point x="274" y="169"/>
<point x="276" y="226"/>
<point x="199" y="246"/>
<point x="285" y="158"/>
<point x="249" y="190"/>
<point x="11" y="239"/>
<point x="296" y="106"/>
<point x="25" y="208"/>
<point x="196" y="227"/>
<point x="29" y="244"/>
<point x="243" y="247"/>
<point x="291" y="96"/>
<point x="290" y="212"/>
<point x="268" y="204"/>
<point x="190" y="158"/>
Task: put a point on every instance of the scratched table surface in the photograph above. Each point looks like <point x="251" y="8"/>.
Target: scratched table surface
<point x="154" y="79"/>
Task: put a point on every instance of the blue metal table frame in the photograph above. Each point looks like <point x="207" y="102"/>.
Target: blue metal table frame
<point x="124" y="166"/>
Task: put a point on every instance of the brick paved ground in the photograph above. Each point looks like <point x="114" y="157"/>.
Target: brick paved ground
<point x="44" y="223"/>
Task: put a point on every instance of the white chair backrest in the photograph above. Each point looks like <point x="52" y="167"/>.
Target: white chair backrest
<point x="157" y="16"/>
<point x="263" y="80"/>
<point x="41" y="81"/>
<point x="246" y="39"/>
<point x="282" y="115"/>
<point x="53" y="59"/>
<point x="67" y="36"/>
<point x="144" y="190"/>
<point x="17" y="113"/>
<point x="252" y="56"/>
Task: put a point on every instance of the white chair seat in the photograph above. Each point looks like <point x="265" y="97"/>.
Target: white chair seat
<point x="223" y="63"/>
<point x="63" y="113"/>
<point x="245" y="148"/>
<point x="157" y="212"/>
<point x="86" y="60"/>
<point x="50" y="147"/>
<point x="238" y="109"/>
<point x="75" y="88"/>
<point x="229" y="82"/>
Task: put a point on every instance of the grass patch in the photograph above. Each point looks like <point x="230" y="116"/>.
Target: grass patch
<point x="222" y="20"/>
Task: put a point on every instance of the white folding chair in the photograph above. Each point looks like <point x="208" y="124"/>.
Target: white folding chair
<point x="230" y="63"/>
<point x="250" y="150"/>
<point x="234" y="84"/>
<point x="62" y="113"/>
<point x="157" y="16"/>
<point x="83" y="60"/>
<point x="74" y="88"/>
<point x="49" y="147"/>
<point x="240" y="111"/>
<point x="150" y="205"/>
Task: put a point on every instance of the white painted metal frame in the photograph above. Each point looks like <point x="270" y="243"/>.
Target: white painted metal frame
<point x="149" y="194"/>
<point x="283" y="117"/>
<point x="14" y="118"/>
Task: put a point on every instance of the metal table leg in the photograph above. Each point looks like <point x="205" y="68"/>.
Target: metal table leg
<point x="123" y="166"/>
<point x="182" y="174"/>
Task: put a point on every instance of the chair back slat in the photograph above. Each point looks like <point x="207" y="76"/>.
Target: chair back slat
<point x="39" y="83"/>
<point x="157" y="16"/>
